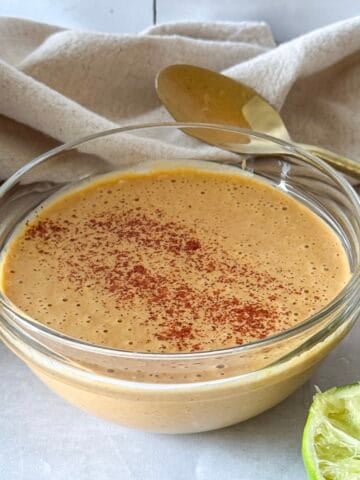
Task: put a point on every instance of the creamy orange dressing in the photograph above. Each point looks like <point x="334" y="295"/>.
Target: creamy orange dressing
<point x="173" y="261"/>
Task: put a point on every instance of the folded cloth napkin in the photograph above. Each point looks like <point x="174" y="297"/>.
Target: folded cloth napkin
<point x="57" y="85"/>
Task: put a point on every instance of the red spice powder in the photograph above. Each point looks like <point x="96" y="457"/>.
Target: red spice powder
<point x="100" y="251"/>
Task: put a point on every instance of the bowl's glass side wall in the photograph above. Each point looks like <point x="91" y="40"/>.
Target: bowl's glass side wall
<point x="179" y="407"/>
<point x="290" y="172"/>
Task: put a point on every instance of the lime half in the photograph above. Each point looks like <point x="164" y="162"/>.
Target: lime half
<point x="331" y="439"/>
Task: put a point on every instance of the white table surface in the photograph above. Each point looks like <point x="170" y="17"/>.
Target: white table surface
<point x="42" y="437"/>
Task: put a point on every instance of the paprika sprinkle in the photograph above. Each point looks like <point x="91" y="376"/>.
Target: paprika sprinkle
<point x="174" y="261"/>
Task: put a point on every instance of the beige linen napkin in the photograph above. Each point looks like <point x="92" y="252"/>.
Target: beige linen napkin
<point x="57" y="85"/>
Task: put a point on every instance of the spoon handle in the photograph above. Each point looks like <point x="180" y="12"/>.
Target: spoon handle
<point x="344" y="164"/>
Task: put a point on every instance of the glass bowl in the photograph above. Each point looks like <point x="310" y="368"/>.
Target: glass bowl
<point x="188" y="392"/>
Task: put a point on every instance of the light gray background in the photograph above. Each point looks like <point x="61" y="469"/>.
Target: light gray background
<point x="43" y="438"/>
<point x="287" y="18"/>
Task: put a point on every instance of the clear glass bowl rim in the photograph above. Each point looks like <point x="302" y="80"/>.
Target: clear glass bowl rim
<point x="311" y="159"/>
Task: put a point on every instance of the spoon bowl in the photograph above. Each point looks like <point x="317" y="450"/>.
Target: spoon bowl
<point x="195" y="94"/>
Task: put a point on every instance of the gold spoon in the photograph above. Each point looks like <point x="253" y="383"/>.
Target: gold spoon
<point x="194" y="94"/>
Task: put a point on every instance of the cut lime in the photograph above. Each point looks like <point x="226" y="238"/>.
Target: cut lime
<point x="331" y="439"/>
